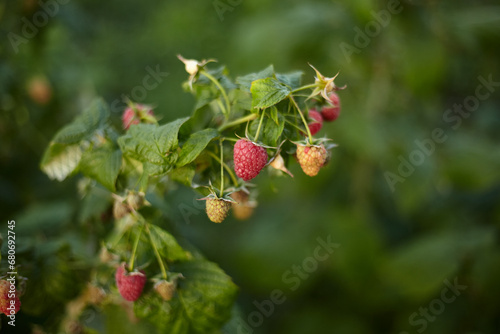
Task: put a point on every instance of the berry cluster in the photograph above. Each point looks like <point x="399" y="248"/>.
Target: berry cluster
<point x="250" y="155"/>
<point x="238" y="128"/>
<point x="329" y="113"/>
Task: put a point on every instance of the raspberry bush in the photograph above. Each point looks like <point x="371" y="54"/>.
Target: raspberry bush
<point x="238" y="129"/>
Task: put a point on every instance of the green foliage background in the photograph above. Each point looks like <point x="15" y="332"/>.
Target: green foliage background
<point x="396" y="247"/>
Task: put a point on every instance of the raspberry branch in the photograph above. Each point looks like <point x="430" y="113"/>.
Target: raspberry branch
<point x="238" y="121"/>
<point x="225" y="110"/>
<point x="221" y="169"/>
<point x="295" y="126"/>
<point x="226" y="167"/>
<point x="304" y="88"/>
<point x="157" y="254"/>
<point x="134" y="249"/>
<point x="303" y="119"/>
<point x="256" y="138"/>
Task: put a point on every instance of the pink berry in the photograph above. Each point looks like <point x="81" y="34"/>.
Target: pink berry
<point x="130" y="285"/>
<point x="133" y="116"/>
<point x="317" y="122"/>
<point x="249" y="159"/>
<point x="331" y="111"/>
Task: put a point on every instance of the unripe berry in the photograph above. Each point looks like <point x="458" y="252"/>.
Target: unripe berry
<point x="243" y="208"/>
<point x="311" y="158"/>
<point x="217" y="209"/>
<point x="165" y="289"/>
<point x="39" y="90"/>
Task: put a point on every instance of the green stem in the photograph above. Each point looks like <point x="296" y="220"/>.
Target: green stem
<point x="294" y="125"/>
<point x="230" y="139"/>
<point x="304" y="87"/>
<point x="221" y="106"/>
<point x="134" y="250"/>
<point x="260" y="125"/>
<point x="221" y="170"/>
<point x="222" y="90"/>
<point x="157" y="254"/>
<point x="303" y="119"/>
<point x="228" y="170"/>
<point x="238" y="121"/>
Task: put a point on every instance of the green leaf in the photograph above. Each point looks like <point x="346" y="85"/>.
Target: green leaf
<point x="60" y="160"/>
<point x="268" y="92"/>
<point x="84" y="126"/>
<point x="117" y="321"/>
<point x="199" y="120"/>
<point x="166" y="316"/>
<point x="62" y="156"/>
<point x="195" y="145"/>
<point x="292" y="79"/>
<point x="183" y="175"/>
<point x="273" y="113"/>
<point x="93" y="204"/>
<point x="202" y="304"/>
<point x="246" y="81"/>
<point x="155" y="146"/>
<point x="102" y="164"/>
<point x="273" y="130"/>
<point x="207" y="294"/>
<point x="167" y="245"/>
<point x="204" y="95"/>
<point x="242" y="100"/>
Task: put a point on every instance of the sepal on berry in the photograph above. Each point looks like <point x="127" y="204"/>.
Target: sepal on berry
<point x="324" y="85"/>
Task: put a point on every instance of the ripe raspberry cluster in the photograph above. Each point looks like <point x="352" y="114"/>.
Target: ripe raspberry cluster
<point x="251" y="156"/>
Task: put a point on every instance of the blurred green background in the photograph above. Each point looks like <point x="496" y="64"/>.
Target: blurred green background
<point x="399" y="242"/>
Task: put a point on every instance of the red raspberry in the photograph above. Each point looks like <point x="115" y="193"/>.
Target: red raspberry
<point x="129" y="285"/>
<point x="317" y="122"/>
<point x="332" y="110"/>
<point x="134" y="115"/>
<point x="249" y="159"/>
<point x="5" y="299"/>
<point x="311" y="158"/>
